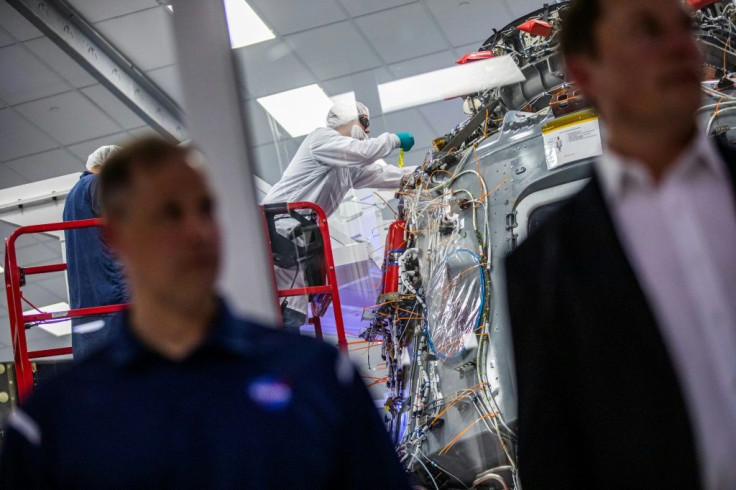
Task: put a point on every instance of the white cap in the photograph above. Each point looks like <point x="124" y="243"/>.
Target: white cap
<point x="345" y="112"/>
<point x="101" y="154"/>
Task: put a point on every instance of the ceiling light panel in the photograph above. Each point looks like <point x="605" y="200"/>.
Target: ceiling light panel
<point x="301" y="110"/>
<point x="244" y="25"/>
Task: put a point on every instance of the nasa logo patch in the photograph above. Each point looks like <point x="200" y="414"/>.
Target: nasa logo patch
<point x="270" y="393"/>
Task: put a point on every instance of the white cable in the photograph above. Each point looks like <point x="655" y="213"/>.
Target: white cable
<point x="441" y="468"/>
<point x="427" y="470"/>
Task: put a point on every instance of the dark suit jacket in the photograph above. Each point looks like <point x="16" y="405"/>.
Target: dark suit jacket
<point x="600" y="405"/>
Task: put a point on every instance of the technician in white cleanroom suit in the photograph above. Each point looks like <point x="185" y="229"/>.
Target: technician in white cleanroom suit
<point x="329" y="162"/>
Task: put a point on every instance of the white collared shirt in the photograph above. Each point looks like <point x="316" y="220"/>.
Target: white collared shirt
<point x="680" y="237"/>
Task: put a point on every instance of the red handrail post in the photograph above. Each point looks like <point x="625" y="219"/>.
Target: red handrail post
<point x="331" y="286"/>
<point x="18" y="321"/>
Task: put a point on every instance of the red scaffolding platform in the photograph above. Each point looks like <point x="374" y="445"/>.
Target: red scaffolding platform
<point x="14" y="280"/>
<point x="330" y="288"/>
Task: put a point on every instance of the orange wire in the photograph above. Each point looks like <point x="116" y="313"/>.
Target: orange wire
<point x="447" y="346"/>
<point x="465" y="393"/>
<point x="380" y="304"/>
<point x="455" y="439"/>
<point x="379" y="381"/>
<point x="387" y="204"/>
<point x="492" y="191"/>
<point x="454" y="279"/>
<point x="441" y="170"/>
<point x="365" y="347"/>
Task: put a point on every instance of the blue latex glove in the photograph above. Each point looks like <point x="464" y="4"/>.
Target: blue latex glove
<point x="407" y="141"/>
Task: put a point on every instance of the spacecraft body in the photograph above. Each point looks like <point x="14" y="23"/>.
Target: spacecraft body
<point x="441" y="316"/>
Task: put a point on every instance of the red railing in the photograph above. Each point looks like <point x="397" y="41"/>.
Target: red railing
<point x="14" y="281"/>
<point x="331" y="287"/>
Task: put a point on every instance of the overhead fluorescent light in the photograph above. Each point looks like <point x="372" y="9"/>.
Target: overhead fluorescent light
<point x="244" y="25"/>
<point x="57" y="328"/>
<point x="301" y="110"/>
<point x="448" y="83"/>
<point x="346" y="98"/>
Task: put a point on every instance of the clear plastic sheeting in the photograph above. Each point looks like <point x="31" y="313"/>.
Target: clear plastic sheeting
<point x="454" y="300"/>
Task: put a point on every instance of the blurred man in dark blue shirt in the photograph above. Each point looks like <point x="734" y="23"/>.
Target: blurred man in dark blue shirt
<point x="187" y="395"/>
<point x="94" y="277"/>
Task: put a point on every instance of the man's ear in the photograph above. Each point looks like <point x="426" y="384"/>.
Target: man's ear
<point x="110" y="235"/>
<point x="578" y="68"/>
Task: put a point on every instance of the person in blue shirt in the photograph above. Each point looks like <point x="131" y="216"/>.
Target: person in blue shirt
<point x="188" y="395"/>
<point x="93" y="275"/>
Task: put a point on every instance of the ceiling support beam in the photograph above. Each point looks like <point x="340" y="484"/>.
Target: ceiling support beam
<point x="76" y="37"/>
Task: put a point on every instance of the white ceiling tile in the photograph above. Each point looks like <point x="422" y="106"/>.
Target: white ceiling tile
<point x="407" y="120"/>
<point x="470" y="20"/>
<point x="5" y="38"/>
<point x="19" y="138"/>
<point x="287" y="16"/>
<point x="69" y="118"/>
<point x="263" y="128"/>
<point x="17" y="25"/>
<point x="60" y="62"/>
<point x="39" y="295"/>
<point x="40" y="339"/>
<point x="6" y="229"/>
<point x="54" y="282"/>
<point x="423" y="64"/>
<point x="272" y="159"/>
<point x="46" y="165"/>
<point x="363" y="83"/>
<point x="334" y="50"/>
<point x="267" y="164"/>
<point x="33" y="248"/>
<point x="444" y="115"/>
<point x="25" y="78"/>
<point x="84" y="149"/>
<point x="271" y="67"/>
<point x="168" y="79"/>
<point x="112" y="106"/>
<point x="472" y="47"/>
<point x="395" y="39"/>
<point x="146" y="38"/>
<point x="10" y="178"/>
<point x="520" y="8"/>
<point x="361" y="7"/>
<point x="134" y="134"/>
<point x="95" y="10"/>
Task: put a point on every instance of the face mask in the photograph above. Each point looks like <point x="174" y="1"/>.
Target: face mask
<point x="357" y="132"/>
